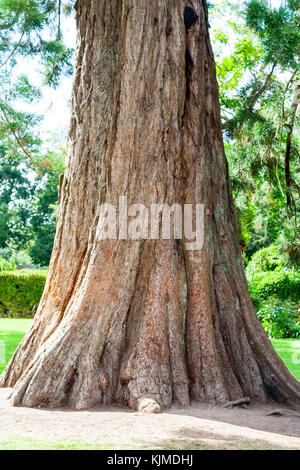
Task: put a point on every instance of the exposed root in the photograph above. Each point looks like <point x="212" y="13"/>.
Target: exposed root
<point x="147" y="405"/>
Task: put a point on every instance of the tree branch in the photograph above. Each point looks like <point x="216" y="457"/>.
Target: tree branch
<point x="263" y="87"/>
<point x="17" y="138"/>
<point x="11" y="23"/>
<point x="13" y="51"/>
<point x="290" y="127"/>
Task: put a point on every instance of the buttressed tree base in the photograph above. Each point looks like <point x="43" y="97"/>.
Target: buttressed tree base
<point x="145" y="322"/>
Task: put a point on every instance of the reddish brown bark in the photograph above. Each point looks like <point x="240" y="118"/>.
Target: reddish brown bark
<point x="121" y="320"/>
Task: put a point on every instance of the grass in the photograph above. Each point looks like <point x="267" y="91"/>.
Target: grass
<point x="11" y="333"/>
<point x="289" y="351"/>
<point x="27" y="443"/>
<point x="16" y="324"/>
<point x="16" y="442"/>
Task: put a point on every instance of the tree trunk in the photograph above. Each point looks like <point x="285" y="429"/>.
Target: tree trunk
<point x="126" y="320"/>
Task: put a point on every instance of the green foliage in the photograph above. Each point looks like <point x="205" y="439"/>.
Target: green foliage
<point x="15" y="192"/>
<point x="278" y="30"/>
<point x="43" y="214"/>
<point x="28" y="205"/>
<point x="270" y="273"/>
<point x="28" y="28"/>
<point x="14" y="257"/>
<point x="20" y="293"/>
<point x="7" y="265"/>
<point x="257" y="59"/>
<point x="266" y="259"/>
<point x="284" y="283"/>
<point x="280" y="319"/>
<point x="29" y="176"/>
<point x="274" y="286"/>
<point x="41" y="249"/>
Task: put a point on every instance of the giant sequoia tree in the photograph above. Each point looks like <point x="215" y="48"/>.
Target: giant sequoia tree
<point x="124" y="320"/>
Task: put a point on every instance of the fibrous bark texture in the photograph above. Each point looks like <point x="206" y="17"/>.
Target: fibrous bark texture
<point x="132" y="320"/>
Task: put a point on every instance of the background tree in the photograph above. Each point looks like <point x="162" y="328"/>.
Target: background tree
<point x="44" y="205"/>
<point x="15" y="190"/>
<point x="259" y="80"/>
<point x="28" y="205"/>
<point x="28" y="28"/>
<point x="28" y="174"/>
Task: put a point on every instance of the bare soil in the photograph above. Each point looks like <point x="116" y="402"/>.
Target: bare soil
<point x="200" y="426"/>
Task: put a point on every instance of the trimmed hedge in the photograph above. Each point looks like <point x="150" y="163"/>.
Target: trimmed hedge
<point x="20" y="293"/>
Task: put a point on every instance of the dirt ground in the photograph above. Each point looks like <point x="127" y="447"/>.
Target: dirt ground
<point x="199" y="426"/>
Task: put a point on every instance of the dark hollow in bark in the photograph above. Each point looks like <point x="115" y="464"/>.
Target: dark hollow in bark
<point x="124" y="321"/>
<point x="190" y="17"/>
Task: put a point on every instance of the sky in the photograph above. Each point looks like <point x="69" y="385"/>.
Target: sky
<point x="54" y="105"/>
<point x="57" y="102"/>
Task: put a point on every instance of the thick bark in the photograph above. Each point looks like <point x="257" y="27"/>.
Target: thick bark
<point x="125" y="320"/>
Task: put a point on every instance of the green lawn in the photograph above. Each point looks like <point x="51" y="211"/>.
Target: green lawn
<point x="26" y="443"/>
<point x="11" y="333"/>
<point x="13" y="330"/>
<point x="289" y="351"/>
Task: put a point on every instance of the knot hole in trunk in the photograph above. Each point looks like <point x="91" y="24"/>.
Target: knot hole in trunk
<point x="190" y="17"/>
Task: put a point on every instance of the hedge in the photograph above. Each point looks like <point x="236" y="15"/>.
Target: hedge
<point x="20" y="293"/>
